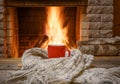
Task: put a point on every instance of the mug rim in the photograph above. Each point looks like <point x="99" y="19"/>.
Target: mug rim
<point x="56" y="45"/>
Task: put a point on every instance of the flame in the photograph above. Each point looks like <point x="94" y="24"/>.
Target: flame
<point x="55" y="29"/>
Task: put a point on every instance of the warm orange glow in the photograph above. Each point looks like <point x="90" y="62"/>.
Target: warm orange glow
<point x="55" y="28"/>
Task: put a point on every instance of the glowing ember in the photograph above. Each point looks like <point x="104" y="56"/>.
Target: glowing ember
<point x="55" y="28"/>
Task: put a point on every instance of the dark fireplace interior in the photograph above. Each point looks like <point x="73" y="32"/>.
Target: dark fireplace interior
<point x="31" y="26"/>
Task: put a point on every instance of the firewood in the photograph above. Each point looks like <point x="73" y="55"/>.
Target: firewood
<point x="41" y="41"/>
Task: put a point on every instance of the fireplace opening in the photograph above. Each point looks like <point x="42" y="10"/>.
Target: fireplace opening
<point x="27" y="26"/>
<point x="28" y="23"/>
<point x="32" y="27"/>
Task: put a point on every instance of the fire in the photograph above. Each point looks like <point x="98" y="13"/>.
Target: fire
<point x="55" y="29"/>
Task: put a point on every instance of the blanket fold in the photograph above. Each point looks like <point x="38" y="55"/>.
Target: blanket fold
<point x="37" y="69"/>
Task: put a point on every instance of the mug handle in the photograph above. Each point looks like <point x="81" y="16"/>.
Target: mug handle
<point x="68" y="53"/>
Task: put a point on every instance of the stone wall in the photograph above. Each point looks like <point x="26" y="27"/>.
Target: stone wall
<point x="1" y="29"/>
<point x="97" y="20"/>
<point x="101" y="46"/>
<point x="100" y="18"/>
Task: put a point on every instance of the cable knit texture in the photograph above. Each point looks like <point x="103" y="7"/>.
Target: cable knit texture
<point x="37" y="69"/>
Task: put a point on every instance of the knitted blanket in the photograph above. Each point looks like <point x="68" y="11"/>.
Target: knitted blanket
<point x="37" y="69"/>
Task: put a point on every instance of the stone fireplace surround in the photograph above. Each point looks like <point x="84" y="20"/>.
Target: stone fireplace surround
<point x="97" y="22"/>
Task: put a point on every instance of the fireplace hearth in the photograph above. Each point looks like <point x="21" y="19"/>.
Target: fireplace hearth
<point x="25" y="23"/>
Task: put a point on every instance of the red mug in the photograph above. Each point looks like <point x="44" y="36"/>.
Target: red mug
<point x="55" y="51"/>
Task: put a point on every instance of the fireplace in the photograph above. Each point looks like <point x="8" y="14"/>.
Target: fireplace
<point x="32" y="26"/>
<point x="25" y="22"/>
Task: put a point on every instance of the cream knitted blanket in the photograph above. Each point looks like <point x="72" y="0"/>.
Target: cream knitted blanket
<point x="37" y="69"/>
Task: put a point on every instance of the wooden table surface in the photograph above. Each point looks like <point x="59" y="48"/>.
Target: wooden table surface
<point x="101" y="61"/>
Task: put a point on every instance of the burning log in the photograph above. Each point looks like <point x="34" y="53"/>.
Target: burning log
<point x="71" y="44"/>
<point x="65" y="22"/>
<point x="41" y="41"/>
